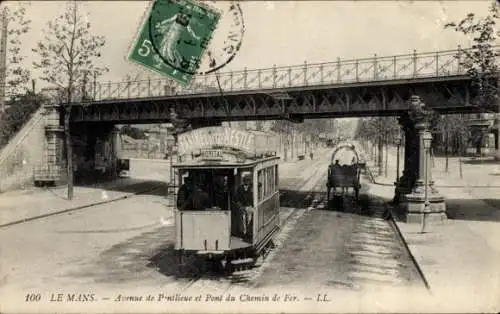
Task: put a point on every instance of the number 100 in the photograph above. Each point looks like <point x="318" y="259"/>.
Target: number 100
<point x="33" y="297"/>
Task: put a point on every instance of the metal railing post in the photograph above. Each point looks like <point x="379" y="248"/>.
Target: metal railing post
<point x="245" y="78"/>
<point x="321" y="75"/>
<point x="231" y="80"/>
<point x="339" y="76"/>
<point x="274" y="76"/>
<point x="437" y="63"/>
<point x="305" y="73"/>
<point x="395" y="66"/>
<point x="414" y="63"/>
<point x="357" y="70"/>
<point x="149" y="86"/>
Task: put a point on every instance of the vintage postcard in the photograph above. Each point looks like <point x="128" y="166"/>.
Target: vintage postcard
<point x="218" y="156"/>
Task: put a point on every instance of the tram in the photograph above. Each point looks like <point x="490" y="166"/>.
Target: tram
<point x="227" y="205"/>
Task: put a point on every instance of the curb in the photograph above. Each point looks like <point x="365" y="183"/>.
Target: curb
<point x="394" y="225"/>
<point x="67" y="210"/>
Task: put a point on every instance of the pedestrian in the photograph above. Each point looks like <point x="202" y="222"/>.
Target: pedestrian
<point x="311" y="155"/>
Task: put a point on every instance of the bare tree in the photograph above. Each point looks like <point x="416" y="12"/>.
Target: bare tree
<point x="68" y="54"/>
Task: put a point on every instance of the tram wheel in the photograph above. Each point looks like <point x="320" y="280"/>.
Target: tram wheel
<point x="181" y="260"/>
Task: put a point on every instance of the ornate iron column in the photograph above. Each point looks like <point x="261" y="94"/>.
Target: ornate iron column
<point x="411" y="159"/>
<point x="414" y="202"/>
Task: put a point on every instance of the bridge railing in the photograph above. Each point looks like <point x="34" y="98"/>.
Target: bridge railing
<point x="409" y="66"/>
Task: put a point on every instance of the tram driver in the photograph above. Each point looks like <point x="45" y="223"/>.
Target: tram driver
<point x="192" y="194"/>
<point x="184" y="196"/>
<point x="244" y="201"/>
<point x="222" y="192"/>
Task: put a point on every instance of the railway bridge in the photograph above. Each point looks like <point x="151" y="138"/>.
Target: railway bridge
<point x="408" y="86"/>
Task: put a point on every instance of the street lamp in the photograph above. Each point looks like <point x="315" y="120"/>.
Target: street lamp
<point x="398" y="145"/>
<point x="427" y="140"/>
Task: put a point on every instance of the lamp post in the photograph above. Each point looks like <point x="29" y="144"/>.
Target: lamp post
<point x="170" y="149"/>
<point x="398" y="145"/>
<point x="427" y="140"/>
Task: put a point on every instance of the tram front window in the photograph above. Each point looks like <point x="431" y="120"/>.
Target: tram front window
<point x="205" y="190"/>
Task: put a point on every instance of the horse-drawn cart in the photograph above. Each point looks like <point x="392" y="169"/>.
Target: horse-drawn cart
<point x="344" y="176"/>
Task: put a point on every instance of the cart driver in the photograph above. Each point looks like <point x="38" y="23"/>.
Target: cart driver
<point x="244" y="200"/>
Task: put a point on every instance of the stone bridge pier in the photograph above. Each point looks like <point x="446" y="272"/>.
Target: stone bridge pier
<point x="410" y="192"/>
<point x="95" y="151"/>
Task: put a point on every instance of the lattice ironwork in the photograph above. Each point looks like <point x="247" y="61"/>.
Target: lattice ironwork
<point x="346" y="101"/>
<point x="410" y="66"/>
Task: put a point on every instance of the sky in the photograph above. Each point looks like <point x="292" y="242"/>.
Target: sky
<point x="282" y="32"/>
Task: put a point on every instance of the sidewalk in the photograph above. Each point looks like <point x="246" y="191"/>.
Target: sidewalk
<point x="22" y="205"/>
<point x="460" y="258"/>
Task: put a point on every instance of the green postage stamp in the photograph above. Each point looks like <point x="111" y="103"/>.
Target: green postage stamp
<point x="173" y="38"/>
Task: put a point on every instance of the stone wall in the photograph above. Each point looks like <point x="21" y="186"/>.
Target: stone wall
<point x="22" y="154"/>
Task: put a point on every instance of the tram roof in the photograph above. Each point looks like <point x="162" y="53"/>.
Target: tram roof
<point x="223" y="164"/>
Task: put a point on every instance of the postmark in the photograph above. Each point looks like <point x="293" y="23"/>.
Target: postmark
<point x="182" y="38"/>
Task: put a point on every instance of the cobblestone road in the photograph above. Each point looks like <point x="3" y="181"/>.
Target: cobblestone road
<point x="127" y="247"/>
<point x="351" y="249"/>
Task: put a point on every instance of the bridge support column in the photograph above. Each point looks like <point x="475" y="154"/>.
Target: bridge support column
<point x="411" y="159"/>
<point x="410" y="193"/>
<point x="50" y="170"/>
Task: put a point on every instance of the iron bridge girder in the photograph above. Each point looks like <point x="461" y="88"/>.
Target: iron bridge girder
<point x="352" y="101"/>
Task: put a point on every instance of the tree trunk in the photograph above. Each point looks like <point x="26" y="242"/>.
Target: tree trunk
<point x="460" y="154"/>
<point x="386" y="157"/>
<point x="446" y="149"/>
<point x="69" y="151"/>
<point x="380" y="161"/>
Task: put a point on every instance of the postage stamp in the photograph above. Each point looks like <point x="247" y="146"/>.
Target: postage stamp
<point x="175" y="38"/>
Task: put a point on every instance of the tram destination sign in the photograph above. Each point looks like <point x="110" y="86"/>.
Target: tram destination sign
<point x="212" y="154"/>
<point x="211" y="138"/>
